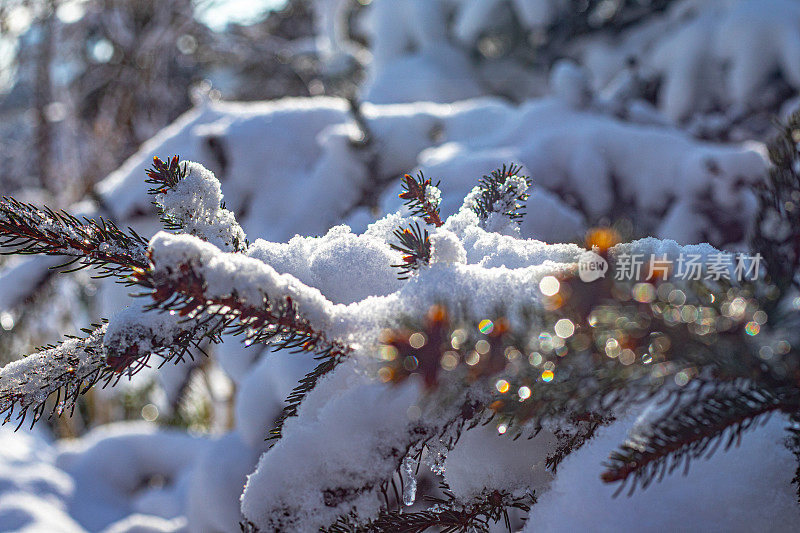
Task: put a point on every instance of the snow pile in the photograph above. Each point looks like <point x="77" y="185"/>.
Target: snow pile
<point x="746" y="488"/>
<point x="33" y="492"/>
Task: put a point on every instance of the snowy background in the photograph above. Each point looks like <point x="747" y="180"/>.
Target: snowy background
<point x="646" y="116"/>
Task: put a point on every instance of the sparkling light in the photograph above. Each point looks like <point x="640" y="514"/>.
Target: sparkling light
<point x="564" y="328"/>
<point x="602" y="238"/>
<point x="486" y="326"/>
<point x="524" y="393"/>
<point x="502" y="386"/>
<point x="417" y="340"/>
<point x="150" y="412"/>
<point x="482" y="346"/>
<point x="612" y="347"/>
<point x="643" y="292"/>
<point x="547" y="376"/>
<point x="449" y="360"/>
<point x="457" y="338"/>
<point x="388" y="353"/>
<point x="752" y="328"/>
<point x="627" y="357"/>
<point x="681" y="378"/>
<point x="6" y="320"/>
<point x="549" y="286"/>
<point x="502" y="428"/>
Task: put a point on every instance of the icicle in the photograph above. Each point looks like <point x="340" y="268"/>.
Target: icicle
<point x="410" y="487"/>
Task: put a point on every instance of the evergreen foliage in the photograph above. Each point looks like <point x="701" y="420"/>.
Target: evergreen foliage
<point x="571" y="364"/>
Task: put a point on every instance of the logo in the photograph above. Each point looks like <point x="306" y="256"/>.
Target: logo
<point x="591" y="266"/>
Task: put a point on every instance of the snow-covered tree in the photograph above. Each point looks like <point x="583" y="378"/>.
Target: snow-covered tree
<point x="528" y="348"/>
<point x="375" y="330"/>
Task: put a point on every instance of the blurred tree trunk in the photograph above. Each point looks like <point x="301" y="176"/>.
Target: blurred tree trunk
<point x="43" y="97"/>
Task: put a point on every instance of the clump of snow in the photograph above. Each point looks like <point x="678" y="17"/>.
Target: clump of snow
<point x="123" y="478"/>
<point x="196" y="203"/>
<point x="305" y="482"/>
<point x="345" y="266"/>
<point x="216" y="481"/>
<point x="446" y="248"/>
<point x="433" y="196"/>
<point x="146" y="330"/>
<point x="33" y="493"/>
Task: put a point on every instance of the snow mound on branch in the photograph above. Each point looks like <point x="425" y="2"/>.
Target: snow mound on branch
<point x="708" y="53"/>
<point x="314" y="473"/>
<point x="196" y="201"/>
<point x="676" y="187"/>
<point x="746" y="488"/>
<point x="326" y="476"/>
<point x="347" y="266"/>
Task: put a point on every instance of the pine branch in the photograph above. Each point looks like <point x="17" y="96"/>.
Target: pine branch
<point x="793" y="443"/>
<point x="503" y="192"/>
<point x="446" y="514"/>
<point x="687" y="432"/>
<point x="70" y="368"/>
<point x="579" y="430"/>
<point x="66" y="371"/>
<point x="165" y="176"/>
<point x="182" y="288"/>
<point x="26" y="229"/>
<point x="777" y="229"/>
<point x="614" y="352"/>
<point x="275" y="321"/>
<point x="329" y="359"/>
<point x="415" y="245"/>
<point x="422" y="198"/>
